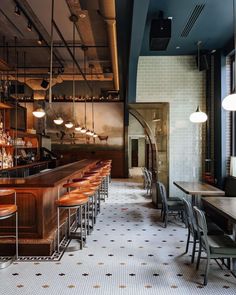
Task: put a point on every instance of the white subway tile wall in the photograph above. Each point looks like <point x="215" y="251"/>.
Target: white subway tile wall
<point x="176" y="80"/>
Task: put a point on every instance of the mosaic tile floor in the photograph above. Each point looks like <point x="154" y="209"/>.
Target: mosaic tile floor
<point x="129" y="252"/>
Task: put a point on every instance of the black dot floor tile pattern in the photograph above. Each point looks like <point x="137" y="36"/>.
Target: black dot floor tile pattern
<point x="128" y="252"/>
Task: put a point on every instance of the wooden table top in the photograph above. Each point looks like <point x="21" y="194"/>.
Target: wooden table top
<point x="48" y="179"/>
<point x="224" y="205"/>
<point x="198" y="188"/>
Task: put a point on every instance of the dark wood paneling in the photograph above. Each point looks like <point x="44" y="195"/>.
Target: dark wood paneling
<point x="37" y="211"/>
<point x="117" y="157"/>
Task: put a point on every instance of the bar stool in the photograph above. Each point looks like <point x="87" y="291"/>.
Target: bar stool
<point x="90" y="193"/>
<point x="7" y="211"/>
<point x="68" y="202"/>
<point x="95" y="181"/>
<point x="88" y="186"/>
<point x="99" y="172"/>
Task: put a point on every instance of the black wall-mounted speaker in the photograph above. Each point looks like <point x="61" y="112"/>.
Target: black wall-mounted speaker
<point x="204" y="61"/>
<point x="160" y="34"/>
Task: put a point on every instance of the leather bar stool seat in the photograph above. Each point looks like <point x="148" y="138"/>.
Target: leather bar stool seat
<point x="7" y="210"/>
<point x="71" y="200"/>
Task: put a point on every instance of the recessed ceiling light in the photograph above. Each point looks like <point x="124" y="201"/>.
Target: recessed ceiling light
<point x="177" y="47"/>
<point x="213" y="51"/>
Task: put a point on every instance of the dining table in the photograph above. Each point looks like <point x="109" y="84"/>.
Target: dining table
<point x="225" y="206"/>
<point x="198" y="188"/>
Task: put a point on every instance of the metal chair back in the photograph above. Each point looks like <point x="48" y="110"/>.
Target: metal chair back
<point x="202" y="228"/>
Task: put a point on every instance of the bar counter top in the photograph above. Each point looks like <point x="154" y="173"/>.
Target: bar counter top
<point x="49" y="178"/>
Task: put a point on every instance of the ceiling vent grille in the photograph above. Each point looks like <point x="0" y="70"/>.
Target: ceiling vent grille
<point x="192" y="19"/>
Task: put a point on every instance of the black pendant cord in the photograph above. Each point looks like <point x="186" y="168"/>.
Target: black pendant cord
<point x="24" y="61"/>
<point x="91" y="78"/>
<point x="16" y="102"/>
<point x="51" y="56"/>
<point x="233" y="116"/>
<point x="73" y="82"/>
<point x="85" y="98"/>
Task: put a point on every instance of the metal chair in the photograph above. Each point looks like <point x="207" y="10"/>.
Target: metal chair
<point x="169" y="207"/>
<point x="147" y="174"/>
<point x="7" y="211"/>
<point x="215" y="247"/>
<point x="213" y="229"/>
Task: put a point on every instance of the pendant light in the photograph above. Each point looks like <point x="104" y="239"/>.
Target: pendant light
<point x="229" y="102"/>
<point x="92" y="133"/>
<point x="84" y="129"/>
<point x="69" y="124"/>
<point x="78" y="128"/>
<point x="39" y="112"/>
<point x="198" y="116"/>
<point x="58" y="121"/>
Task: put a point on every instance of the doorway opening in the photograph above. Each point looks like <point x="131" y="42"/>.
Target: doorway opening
<point x="148" y="136"/>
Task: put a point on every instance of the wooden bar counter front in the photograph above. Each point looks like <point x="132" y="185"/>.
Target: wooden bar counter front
<point x="36" y="197"/>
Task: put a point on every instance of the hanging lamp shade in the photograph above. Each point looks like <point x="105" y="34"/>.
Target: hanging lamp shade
<point x="39" y="113"/>
<point x="229" y="102"/>
<point x="198" y="116"/>
<point x="88" y="132"/>
<point x="83" y="130"/>
<point x="58" y="121"/>
<point x="78" y="128"/>
<point x="69" y="124"/>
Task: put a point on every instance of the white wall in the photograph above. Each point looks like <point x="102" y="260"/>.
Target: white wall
<point x="176" y="79"/>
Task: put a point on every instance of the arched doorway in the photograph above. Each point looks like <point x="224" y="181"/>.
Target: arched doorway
<point x="148" y="135"/>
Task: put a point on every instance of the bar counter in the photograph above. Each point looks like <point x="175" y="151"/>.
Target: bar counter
<point x="36" y="197"/>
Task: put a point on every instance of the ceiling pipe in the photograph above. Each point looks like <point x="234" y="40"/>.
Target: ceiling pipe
<point x="107" y="11"/>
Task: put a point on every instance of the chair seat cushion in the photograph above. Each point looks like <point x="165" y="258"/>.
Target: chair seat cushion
<point x="175" y="204"/>
<point x="174" y="199"/>
<point x="222" y="245"/>
<point x="6" y="210"/>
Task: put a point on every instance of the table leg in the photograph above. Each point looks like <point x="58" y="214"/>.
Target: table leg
<point x="196" y="201"/>
<point x="233" y="267"/>
<point x="193" y="200"/>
